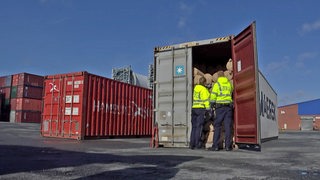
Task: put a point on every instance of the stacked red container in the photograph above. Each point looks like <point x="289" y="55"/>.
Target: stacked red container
<point x="26" y="98"/>
<point x="5" y="90"/>
<point x="82" y="105"/>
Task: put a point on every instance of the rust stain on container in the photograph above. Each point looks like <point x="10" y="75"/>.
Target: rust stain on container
<point x="82" y="105"/>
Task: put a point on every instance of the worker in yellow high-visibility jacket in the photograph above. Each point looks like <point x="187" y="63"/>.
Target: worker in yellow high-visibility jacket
<point x="221" y="98"/>
<point x="200" y="105"/>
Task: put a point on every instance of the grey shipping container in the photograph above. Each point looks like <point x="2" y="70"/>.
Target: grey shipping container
<point x="255" y="101"/>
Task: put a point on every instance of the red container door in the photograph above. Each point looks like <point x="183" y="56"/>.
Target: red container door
<point x="62" y="112"/>
<point x="246" y="94"/>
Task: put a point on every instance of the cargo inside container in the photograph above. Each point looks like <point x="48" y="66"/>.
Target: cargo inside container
<point x="212" y="57"/>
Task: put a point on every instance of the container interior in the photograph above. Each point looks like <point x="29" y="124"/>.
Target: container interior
<point x="212" y="57"/>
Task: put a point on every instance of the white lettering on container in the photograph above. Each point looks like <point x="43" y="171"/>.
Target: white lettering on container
<point x="131" y="109"/>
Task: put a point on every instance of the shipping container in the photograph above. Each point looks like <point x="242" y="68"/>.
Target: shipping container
<point x="4" y="107"/>
<point x="255" y="101"/>
<point x="83" y="105"/>
<point x="27" y="79"/>
<point x="6" y="91"/>
<point x="26" y="104"/>
<point x="5" y="81"/>
<point x="23" y="116"/>
<point x="26" y="91"/>
<point x="1" y="103"/>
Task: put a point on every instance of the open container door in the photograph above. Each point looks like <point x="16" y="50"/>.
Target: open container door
<point x="246" y="92"/>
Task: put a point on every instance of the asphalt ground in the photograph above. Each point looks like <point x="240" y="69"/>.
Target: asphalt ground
<point x="24" y="154"/>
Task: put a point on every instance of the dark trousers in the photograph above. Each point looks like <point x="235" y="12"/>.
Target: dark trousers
<point x="223" y="114"/>
<point x="198" y="117"/>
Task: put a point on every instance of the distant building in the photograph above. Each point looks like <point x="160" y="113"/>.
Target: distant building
<point x="304" y="116"/>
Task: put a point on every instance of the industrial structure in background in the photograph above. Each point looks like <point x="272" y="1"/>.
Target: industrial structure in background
<point x="304" y="116"/>
<point x="126" y="74"/>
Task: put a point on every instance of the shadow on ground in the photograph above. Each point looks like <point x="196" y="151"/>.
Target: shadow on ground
<point x="17" y="159"/>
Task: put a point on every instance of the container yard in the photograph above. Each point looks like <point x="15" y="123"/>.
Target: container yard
<point x="82" y="105"/>
<point x="22" y="98"/>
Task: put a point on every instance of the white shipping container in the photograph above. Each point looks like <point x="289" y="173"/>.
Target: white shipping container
<point x="268" y="109"/>
<point x="173" y="86"/>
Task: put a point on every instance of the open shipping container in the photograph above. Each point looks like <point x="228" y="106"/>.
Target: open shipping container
<point x="82" y="105"/>
<point x="255" y="101"/>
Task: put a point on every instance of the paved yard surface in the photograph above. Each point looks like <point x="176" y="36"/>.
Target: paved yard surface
<point x="24" y="154"/>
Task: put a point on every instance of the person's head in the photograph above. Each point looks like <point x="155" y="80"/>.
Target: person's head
<point x="202" y="81"/>
<point x="220" y="74"/>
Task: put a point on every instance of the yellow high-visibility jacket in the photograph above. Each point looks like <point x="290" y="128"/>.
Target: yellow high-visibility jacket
<point x="201" y="97"/>
<point x="221" y="91"/>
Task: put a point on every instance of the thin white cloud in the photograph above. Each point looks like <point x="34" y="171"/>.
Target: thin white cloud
<point x="43" y="1"/>
<point x="304" y="57"/>
<point x="185" y="11"/>
<point x="58" y="21"/>
<point x="307" y="55"/>
<point x="309" y="27"/>
<point x="278" y="65"/>
<point x="182" y="22"/>
<point x="294" y="97"/>
<point x="184" y="7"/>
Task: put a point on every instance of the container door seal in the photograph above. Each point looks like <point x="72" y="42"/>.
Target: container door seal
<point x="246" y="97"/>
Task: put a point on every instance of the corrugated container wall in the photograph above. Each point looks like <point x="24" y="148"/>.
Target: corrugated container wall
<point x="23" y="97"/>
<point x="5" y="90"/>
<point x="1" y="101"/>
<point x="82" y="105"/>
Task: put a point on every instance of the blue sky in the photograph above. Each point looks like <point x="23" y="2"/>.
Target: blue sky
<point x="60" y="36"/>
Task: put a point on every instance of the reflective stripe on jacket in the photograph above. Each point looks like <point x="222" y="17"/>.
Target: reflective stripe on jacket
<point x="222" y="91"/>
<point x="201" y="96"/>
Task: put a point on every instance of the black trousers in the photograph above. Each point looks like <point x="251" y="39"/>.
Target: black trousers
<point x="224" y="115"/>
<point x="198" y="118"/>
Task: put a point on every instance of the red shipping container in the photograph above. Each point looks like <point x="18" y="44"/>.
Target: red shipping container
<point x="5" y="81"/>
<point x="6" y="91"/>
<point x="26" y="104"/>
<point x="25" y="116"/>
<point x="83" y="105"/>
<point x="27" y="79"/>
<point x="25" y="91"/>
<point x="1" y="101"/>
